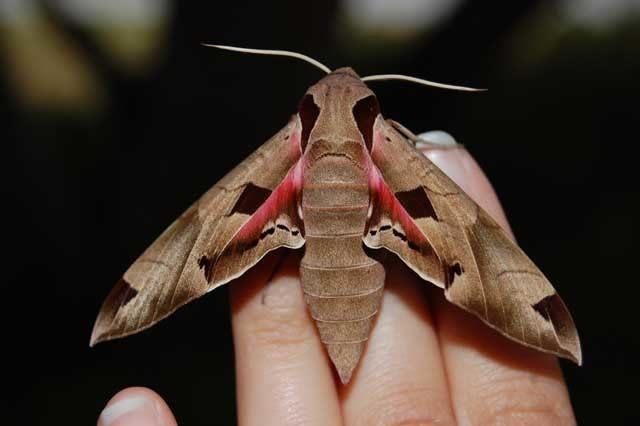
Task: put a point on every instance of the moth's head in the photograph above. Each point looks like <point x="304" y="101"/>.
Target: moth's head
<point x="344" y="81"/>
<point x="338" y="109"/>
<point x="344" y="76"/>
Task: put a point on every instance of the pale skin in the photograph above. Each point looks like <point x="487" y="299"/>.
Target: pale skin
<point x="427" y="362"/>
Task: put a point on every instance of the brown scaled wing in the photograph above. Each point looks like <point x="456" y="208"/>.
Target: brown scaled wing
<point x="177" y="267"/>
<point x="483" y="271"/>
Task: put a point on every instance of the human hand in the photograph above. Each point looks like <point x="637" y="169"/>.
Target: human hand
<point x="426" y="361"/>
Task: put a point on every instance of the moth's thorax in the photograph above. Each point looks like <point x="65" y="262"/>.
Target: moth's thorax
<point x="335" y="96"/>
<point x="335" y="123"/>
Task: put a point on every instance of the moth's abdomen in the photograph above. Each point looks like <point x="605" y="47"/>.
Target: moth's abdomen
<point x="343" y="297"/>
<point x="341" y="284"/>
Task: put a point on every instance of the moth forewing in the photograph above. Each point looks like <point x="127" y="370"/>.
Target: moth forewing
<point x="484" y="271"/>
<point x="182" y="263"/>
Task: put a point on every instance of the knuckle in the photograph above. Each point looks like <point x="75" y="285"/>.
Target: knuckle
<point x="280" y="317"/>
<point x="281" y="329"/>
<point x="522" y="401"/>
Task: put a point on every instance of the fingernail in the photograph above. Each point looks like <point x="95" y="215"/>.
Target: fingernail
<point x="133" y="410"/>
<point x="452" y="159"/>
<point x="437" y="137"/>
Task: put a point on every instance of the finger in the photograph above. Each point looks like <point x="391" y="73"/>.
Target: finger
<point x="136" y="407"/>
<point x="492" y="379"/>
<point x="283" y="374"/>
<point x="401" y="377"/>
<point x="462" y="168"/>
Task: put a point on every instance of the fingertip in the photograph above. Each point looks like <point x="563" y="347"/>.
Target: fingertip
<point x="136" y="406"/>
<point x="457" y="163"/>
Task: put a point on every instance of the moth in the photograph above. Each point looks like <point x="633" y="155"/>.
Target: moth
<point x="341" y="181"/>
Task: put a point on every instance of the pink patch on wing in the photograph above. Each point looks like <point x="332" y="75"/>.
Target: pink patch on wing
<point x="282" y="199"/>
<point x="386" y="203"/>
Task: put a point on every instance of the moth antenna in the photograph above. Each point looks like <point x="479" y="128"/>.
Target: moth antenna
<point x="274" y="53"/>
<point x="419" y="81"/>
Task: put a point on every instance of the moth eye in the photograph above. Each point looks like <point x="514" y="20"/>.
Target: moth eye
<point x="365" y="112"/>
<point x="308" y="112"/>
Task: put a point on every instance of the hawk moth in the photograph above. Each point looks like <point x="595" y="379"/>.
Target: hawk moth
<point x="340" y="180"/>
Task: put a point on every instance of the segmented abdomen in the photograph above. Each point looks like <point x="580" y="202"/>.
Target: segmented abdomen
<point x="341" y="284"/>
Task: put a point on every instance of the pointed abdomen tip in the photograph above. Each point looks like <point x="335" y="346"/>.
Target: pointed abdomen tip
<point x="345" y="357"/>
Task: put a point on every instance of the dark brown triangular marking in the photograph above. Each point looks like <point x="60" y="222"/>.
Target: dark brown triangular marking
<point x="546" y="306"/>
<point x="450" y="273"/>
<point x="308" y="112"/>
<point x="416" y="203"/>
<point x="125" y="292"/>
<point x="251" y="199"/>
<point x="206" y="265"/>
<point x="365" y="112"/>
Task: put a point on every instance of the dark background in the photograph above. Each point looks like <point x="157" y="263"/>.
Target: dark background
<point x="89" y="180"/>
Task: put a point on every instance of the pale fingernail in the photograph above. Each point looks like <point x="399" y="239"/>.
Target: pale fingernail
<point x="452" y="159"/>
<point x="133" y="410"/>
<point x="436" y="137"/>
